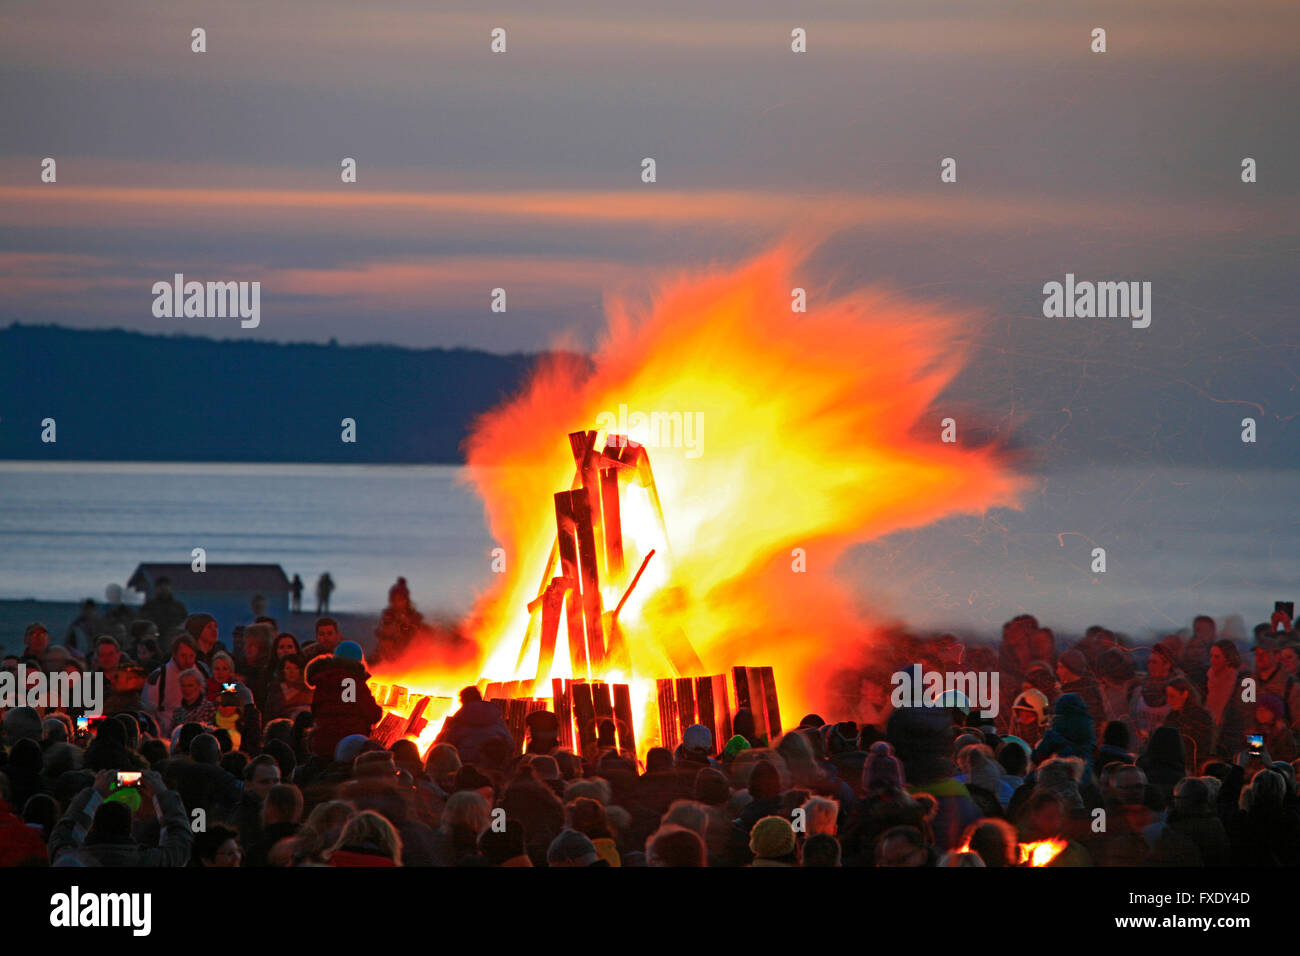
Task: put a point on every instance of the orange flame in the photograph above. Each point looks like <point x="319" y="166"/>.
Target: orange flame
<point x="808" y="432"/>
<point x="1041" y="852"/>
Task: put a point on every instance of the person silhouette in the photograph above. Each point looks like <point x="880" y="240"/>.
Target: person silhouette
<point x="295" y="589"/>
<point x="324" y="587"/>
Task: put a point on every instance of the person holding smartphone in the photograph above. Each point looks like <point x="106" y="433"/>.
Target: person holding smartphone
<point x="1270" y="725"/>
<point x="96" y="830"/>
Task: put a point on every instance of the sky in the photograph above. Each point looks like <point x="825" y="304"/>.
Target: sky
<point x="522" y="170"/>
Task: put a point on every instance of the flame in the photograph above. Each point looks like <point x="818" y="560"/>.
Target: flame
<point x="1041" y="852"/>
<point x="801" y="434"/>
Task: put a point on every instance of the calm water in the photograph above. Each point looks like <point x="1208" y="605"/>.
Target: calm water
<point x="1178" y="542"/>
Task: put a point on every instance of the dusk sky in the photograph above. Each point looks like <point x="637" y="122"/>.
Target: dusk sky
<point x="522" y="170"/>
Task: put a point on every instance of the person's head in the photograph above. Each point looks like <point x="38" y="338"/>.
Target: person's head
<point x="1265" y="655"/>
<point x="468" y="810"/>
<point x="112" y="823"/>
<point x="1012" y="758"/>
<point x="821" y="849"/>
<point x="1269" y="710"/>
<point x="203" y="628"/>
<point x="688" y="814"/>
<point x="1179" y="692"/>
<point x="257" y="604"/>
<point x="261" y="774"/>
<point x="184" y="651"/>
<point x="1203" y="628"/>
<point x="821" y="815"/>
<point x="285" y="644"/>
<point x="1046" y="813"/>
<point x="1159" y="666"/>
<point x="571" y="848"/>
<point x="257" y="643"/>
<point x="54" y="729"/>
<point x="773" y="838"/>
<point x="1127" y="784"/>
<point x="674" y="845"/>
<point x="289" y="669"/>
<point x="371" y="831"/>
<point x="36" y="639"/>
<point x="162" y="589"/>
<point x="470" y="695"/>
<point x="994" y="840"/>
<point x="218" y="845"/>
<point x="223" y="668"/>
<point x="283" y="804"/>
<point x="1289" y="657"/>
<point x="1224" y="656"/>
<point x="205" y="749"/>
<point x="1266" y="792"/>
<point x="1191" y="795"/>
<point x="107" y="652"/>
<point x="442" y="763"/>
<point x="587" y="815"/>
<point x="192" y="682"/>
<point x="1072" y="666"/>
<point x="902" y="846"/>
<point x="697" y="742"/>
<point x="327" y="634"/>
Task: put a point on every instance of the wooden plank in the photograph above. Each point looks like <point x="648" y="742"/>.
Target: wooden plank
<point x="592" y="604"/>
<point x="741" y="684"/>
<point x="552" y="605"/>
<point x="517" y="710"/>
<point x="685" y="704"/>
<point x="568" y="546"/>
<point x="722" y="708"/>
<point x="768" y="679"/>
<point x="417" y="716"/>
<point x="584" y="714"/>
<point x="388" y="729"/>
<point x="562" y="707"/>
<point x="623" y="716"/>
<point x="612" y="516"/>
<point x="666" y="694"/>
<point x="704" y="705"/>
<point x="757" y="702"/>
<point x="397" y="697"/>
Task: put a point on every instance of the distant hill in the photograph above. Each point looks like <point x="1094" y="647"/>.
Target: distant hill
<point x="126" y="396"/>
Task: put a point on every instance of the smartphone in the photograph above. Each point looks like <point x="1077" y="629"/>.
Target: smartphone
<point x="228" y="687"/>
<point x="1286" y="607"/>
<point x="83" y="724"/>
<point x="128" y="778"/>
<point x="1255" y="741"/>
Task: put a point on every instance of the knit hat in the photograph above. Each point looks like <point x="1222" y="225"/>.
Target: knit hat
<point x="711" y="787"/>
<point x="349" y="651"/>
<point x="812" y="720"/>
<point x="734" y="746"/>
<point x="1075" y="662"/>
<point x="347" y="749"/>
<point x="573" y="848"/>
<point x="698" y="738"/>
<point x="882" y="768"/>
<point x="772" y="837"/>
<point x="129" y="796"/>
<point x="195" y="624"/>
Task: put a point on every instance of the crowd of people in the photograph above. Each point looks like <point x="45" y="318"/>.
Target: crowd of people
<point x="1101" y="753"/>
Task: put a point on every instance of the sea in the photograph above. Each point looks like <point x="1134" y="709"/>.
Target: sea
<point x="1175" y="542"/>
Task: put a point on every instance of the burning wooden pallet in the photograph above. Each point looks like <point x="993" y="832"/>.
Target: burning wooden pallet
<point x="712" y="701"/>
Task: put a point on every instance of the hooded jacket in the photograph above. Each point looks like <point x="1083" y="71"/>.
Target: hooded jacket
<point x="1072" y="734"/>
<point x="333" y="717"/>
<point x="471" y="727"/>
